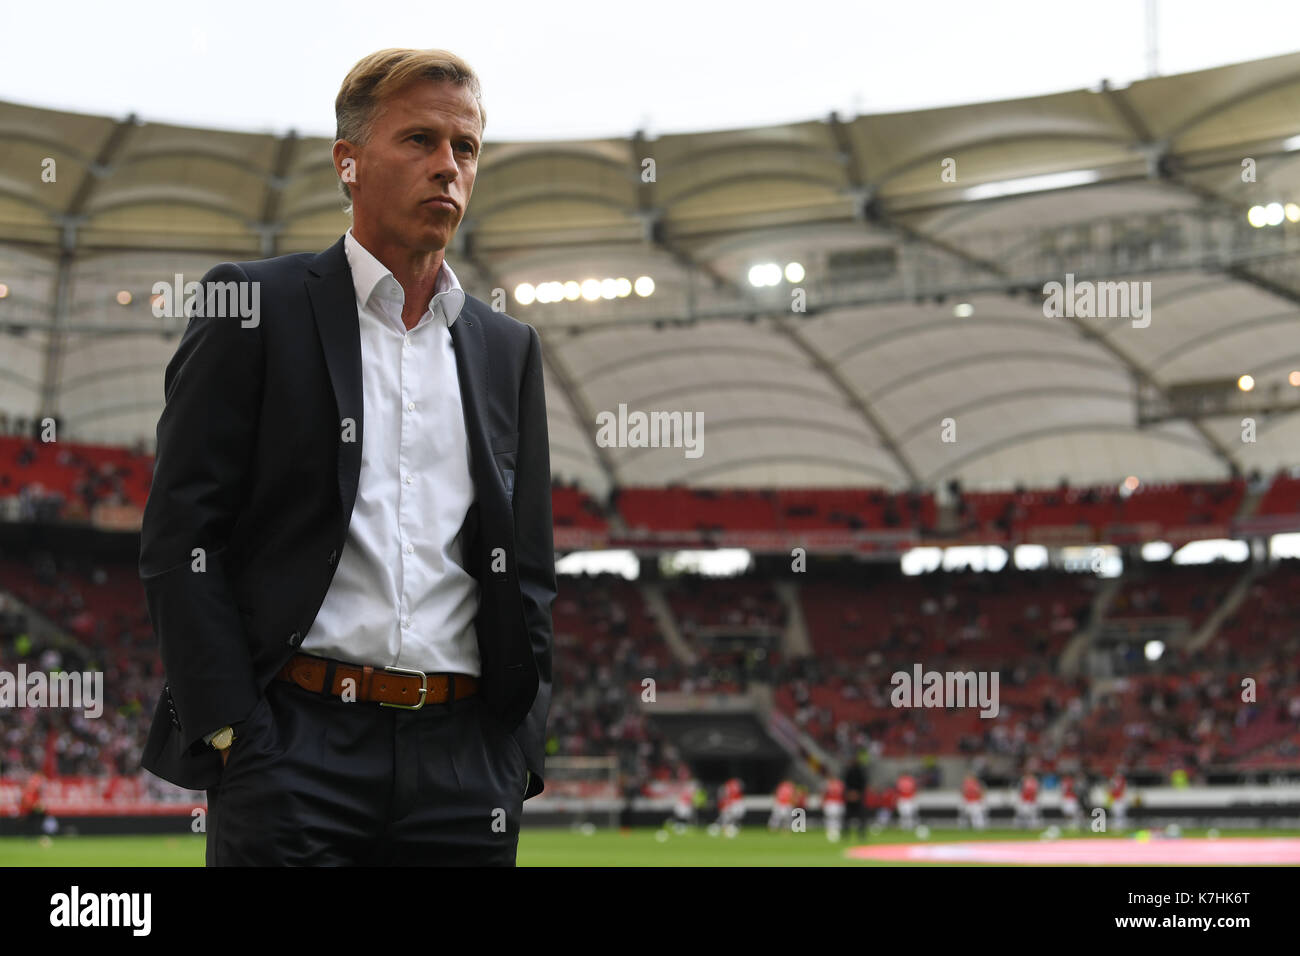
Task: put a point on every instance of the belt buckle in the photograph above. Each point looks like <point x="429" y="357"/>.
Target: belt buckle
<point x="424" y="687"/>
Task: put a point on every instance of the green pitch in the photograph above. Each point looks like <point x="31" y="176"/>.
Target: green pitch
<point x="543" y="847"/>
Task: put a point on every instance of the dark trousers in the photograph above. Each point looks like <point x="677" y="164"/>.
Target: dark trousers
<point x="856" y="818"/>
<point x="313" y="780"/>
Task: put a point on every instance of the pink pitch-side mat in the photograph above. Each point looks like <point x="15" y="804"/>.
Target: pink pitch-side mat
<point x="1244" y="851"/>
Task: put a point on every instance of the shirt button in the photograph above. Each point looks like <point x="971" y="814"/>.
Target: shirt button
<point x="410" y="406"/>
<point x="410" y="548"/>
<point x="409" y="479"/>
<point x="406" y="622"/>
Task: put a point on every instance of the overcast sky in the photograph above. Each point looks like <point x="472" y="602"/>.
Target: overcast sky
<point x="561" y="70"/>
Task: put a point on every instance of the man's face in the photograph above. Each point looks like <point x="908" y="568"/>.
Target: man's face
<point x="424" y="145"/>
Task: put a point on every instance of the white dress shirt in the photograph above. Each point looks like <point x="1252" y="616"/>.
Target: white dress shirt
<point x="401" y="595"/>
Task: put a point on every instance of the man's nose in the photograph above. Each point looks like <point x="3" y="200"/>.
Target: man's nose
<point x="442" y="164"/>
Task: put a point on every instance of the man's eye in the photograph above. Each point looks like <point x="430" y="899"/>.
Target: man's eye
<point x="419" y="137"/>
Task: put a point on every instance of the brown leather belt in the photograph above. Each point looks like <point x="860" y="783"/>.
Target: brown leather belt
<point x="386" y="686"/>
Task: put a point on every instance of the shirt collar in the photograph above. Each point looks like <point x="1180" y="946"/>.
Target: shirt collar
<point x="368" y="273"/>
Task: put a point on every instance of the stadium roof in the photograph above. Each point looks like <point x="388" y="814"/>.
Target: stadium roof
<point x="895" y="218"/>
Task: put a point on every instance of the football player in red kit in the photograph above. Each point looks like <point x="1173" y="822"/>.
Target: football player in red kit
<point x="907" y="801"/>
<point x="1027" y="806"/>
<point x="782" y="806"/>
<point x="731" y="806"/>
<point x="972" y="796"/>
<point x="1070" y="802"/>
<point x="833" y="809"/>
<point x="1119" y="800"/>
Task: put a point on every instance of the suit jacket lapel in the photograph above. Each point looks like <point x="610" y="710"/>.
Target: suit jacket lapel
<point x="471" y="366"/>
<point x="334" y="305"/>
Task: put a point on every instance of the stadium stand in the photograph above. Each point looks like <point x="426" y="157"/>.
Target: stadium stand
<point x="925" y="305"/>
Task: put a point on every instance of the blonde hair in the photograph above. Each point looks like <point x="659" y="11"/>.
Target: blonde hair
<point x="383" y="73"/>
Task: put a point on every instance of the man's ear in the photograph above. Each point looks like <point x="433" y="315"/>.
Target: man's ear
<point x="345" y="156"/>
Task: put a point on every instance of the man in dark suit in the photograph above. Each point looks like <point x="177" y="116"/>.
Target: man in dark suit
<point x="855" y="796"/>
<point x="347" y="548"/>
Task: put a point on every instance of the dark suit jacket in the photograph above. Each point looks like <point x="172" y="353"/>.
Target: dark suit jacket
<point x="255" y="466"/>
